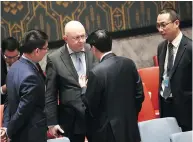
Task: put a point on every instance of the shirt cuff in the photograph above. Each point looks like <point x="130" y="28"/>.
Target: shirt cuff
<point x="2" y="91"/>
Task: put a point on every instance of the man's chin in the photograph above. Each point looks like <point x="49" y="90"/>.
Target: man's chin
<point x="164" y="37"/>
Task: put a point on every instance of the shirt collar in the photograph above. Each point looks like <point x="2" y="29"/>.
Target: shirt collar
<point x="105" y="55"/>
<point x="176" y="41"/>
<point x="71" y="51"/>
<point x="29" y="60"/>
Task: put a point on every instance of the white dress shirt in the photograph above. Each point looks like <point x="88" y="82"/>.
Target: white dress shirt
<point x="82" y="56"/>
<point x="176" y="43"/>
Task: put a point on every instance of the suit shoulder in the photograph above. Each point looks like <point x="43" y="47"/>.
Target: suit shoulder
<point x="20" y="70"/>
<point x="161" y="44"/>
<point x="188" y="40"/>
<point x="55" y="53"/>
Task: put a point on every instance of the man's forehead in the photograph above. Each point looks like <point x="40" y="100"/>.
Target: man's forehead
<point x="77" y="33"/>
<point x="163" y="18"/>
<point x="10" y="53"/>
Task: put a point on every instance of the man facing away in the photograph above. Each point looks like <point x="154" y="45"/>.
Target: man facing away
<point x="114" y="94"/>
<point x="9" y="54"/>
<point x="63" y="69"/>
<point x="175" y="65"/>
<point x="26" y="92"/>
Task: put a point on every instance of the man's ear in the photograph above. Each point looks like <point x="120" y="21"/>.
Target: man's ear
<point x="177" y="23"/>
<point x="65" y="38"/>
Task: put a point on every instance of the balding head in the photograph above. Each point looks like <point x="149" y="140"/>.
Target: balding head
<point x="72" y="27"/>
<point x="75" y="35"/>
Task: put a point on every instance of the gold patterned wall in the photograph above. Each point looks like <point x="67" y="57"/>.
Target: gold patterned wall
<point x="51" y="16"/>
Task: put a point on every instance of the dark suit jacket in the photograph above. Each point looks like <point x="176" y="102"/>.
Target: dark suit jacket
<point x="180" y="80"/>
<point x="3" y="77"/>
<point x="114" y="97"/>
<point x="26" y="101"/>
<point x="62" y="78"/>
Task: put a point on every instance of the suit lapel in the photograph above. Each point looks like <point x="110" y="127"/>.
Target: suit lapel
<point x="162" y="58"/>
<point x="68" y="62"/>
<point x="181" y="49"/>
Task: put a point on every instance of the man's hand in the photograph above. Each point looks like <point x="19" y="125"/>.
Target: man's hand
<point x="55" y="130"/>
<point x="3" y="135"/>
<point x="4" y="89"/>
<point x="83" y="81"/>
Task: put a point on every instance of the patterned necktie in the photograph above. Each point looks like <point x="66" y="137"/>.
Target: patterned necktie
<point x="167" y="90"/>
<point x="79" y="64"/>
<point x="170" y="58"/>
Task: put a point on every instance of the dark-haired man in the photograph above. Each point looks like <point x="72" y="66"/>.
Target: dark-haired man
<point x="9" y="54"/>
<point x="26" y="92"/>
<point x="114" y="94"/>
<point x="175" y="65"/>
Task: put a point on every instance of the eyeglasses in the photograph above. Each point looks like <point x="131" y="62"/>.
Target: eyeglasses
<point x="44" y="48"/>
<point x="11" y="57"/>
<point x="77" y="38"/>
<point x="163" y="25"/>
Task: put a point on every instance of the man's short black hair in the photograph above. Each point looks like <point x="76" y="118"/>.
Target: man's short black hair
<point x="9" y="44"/>
<point x="101" y="39"/>
<point x="33" y="39"/>
<point x="172" y="12"/>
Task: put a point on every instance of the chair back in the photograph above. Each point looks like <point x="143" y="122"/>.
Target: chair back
<point x="158" y="130"/>
<point x="150" y="76"/>
<point x="181" y="137"/>
<point x="62" y="139"/>
<point x="147" y="110"/>
<point x="1" y="114"/>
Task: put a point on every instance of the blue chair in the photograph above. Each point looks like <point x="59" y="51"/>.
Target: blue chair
<point x="158" y="130"/>
<point x="181" y="137"/>
<point x="62" y="139"/>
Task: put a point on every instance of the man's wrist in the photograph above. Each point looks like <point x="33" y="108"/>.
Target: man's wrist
<point x="51" y="126"/>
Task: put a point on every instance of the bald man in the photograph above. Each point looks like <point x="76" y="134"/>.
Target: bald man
<point x="64" y="67"/>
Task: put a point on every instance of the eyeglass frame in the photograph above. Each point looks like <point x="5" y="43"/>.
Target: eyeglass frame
<point x="44" y="48"/>
<point x="163" y="25"/>
<point x="9" y="58"/>
<point x="77" y="38"/>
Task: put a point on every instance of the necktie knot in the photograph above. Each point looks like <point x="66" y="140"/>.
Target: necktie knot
<point x="170" y="45"/>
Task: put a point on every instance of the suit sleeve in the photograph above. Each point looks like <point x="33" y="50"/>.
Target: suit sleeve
<point x="29" y="92"/>
<point x="158" y="51"/>
<point x="93" y="95"/>
<point x="139" y="97"/>
<point x="6" y="117"/>
<point x="51" y="98"/>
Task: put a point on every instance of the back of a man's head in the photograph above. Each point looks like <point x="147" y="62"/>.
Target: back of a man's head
<point x="33" y="39"/>
<point x="101" y="39"/>
<point x="10" y="44"/>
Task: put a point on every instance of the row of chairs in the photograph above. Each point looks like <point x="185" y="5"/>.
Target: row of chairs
<point x="163" y="130"/>
<point x="156" y="130"/>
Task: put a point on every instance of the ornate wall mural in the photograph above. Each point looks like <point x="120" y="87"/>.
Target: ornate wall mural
<point x="51" y="17"/>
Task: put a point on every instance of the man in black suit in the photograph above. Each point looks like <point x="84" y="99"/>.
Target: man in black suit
<point x="9" y="54"/>
<point x="26" y="92"/>
<point x="175" y="65"/>
<point x="114" y="94"/>
<point x="63" y="69"/>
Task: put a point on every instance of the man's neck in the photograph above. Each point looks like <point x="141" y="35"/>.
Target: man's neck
<point x="176" y="34"/>
<point x="28" y="56"/>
